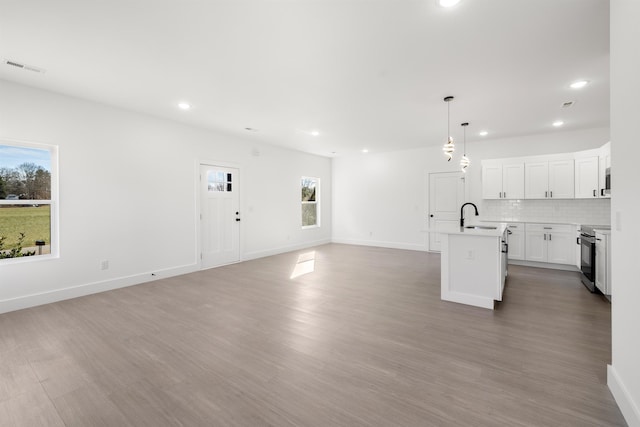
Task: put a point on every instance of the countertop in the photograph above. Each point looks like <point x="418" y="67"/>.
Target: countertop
<point x="532" y="222"/>
<point x="602" y="230"/>
<point x="497" y="232"/>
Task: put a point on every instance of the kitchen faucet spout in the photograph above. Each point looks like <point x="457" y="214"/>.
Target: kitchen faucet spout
<point x="462" y="212"/>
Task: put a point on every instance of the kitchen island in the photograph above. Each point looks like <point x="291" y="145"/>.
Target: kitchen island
<point x="474" y="263"/>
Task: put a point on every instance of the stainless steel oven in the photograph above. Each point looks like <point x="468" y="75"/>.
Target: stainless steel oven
<point x="587" y="242"/>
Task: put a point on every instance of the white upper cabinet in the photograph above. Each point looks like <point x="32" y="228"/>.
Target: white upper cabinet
<point x="492" y="181"/>
<point x="502" y="180"/>
<point x="587" y="185"/>
<point x="536" y="180"/>
<point x="579" y="175"/>
<point x="549" y="180"/>
<point x="561" y="179"/>
<point x="513" y="180"/>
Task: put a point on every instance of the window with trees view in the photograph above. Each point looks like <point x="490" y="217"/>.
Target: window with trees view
<point x="27" y="200"/>
<point x="310" y="202"/>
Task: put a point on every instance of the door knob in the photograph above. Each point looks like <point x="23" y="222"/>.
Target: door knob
<point x="431" y="215"/>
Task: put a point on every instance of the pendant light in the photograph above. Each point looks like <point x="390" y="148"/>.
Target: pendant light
<point x="448" y="148"/>
<point x="464" y="161"/>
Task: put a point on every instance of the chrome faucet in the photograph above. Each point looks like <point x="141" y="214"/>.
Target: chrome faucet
<point x="462" y="212"/>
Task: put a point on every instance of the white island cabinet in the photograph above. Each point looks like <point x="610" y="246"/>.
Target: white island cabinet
<point x="474" y="264"/>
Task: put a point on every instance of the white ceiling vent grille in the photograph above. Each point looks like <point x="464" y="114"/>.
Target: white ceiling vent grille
<point x="23" y="66"/>
<point x="568" y="104"/>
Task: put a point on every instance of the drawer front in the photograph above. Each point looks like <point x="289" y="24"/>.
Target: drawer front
<point x="551" y="228"/>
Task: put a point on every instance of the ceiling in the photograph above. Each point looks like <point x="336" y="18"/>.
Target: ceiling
<point x="363" y="73"/>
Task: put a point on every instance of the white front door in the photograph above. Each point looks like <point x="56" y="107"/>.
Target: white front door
<point x="446" y="195"/>
<point x="219" y="215"/>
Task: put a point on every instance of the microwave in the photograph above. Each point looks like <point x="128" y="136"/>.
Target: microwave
<point x="607" y="182"/>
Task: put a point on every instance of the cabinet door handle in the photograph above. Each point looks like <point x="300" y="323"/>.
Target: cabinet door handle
<point x="602" y="192"/>
<point x="545" y="194"/>
<point x="549" y="237"/>
<point x="550" y="193"/>
<point x="594" y="193"/>
<point x="577" y="240"/>
<point x="545" y="236"/>
<point x="505" y="194"/>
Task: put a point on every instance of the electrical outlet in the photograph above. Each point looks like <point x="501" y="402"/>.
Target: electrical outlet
<point x="104" y="264"/>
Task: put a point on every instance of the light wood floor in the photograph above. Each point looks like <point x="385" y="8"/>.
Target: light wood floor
<point x="363" y="340"/>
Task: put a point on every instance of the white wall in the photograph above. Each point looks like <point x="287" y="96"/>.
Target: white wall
<point x="624" y="372"/>
<point x="128" y="195"/>
<point x="381" y="199"/>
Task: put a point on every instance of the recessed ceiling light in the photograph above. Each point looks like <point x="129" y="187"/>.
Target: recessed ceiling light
<point x="184" y="106"/>
<point x="364" y="150"/>
<point x="579" y="84"/>
<point x="314" y="133"/>
<point x="558" y="123"/>
<point x="448" y="3"/>
<point x="483" y="133"/>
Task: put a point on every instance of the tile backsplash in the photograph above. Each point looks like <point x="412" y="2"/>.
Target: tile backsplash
<point x="579" y="211"/>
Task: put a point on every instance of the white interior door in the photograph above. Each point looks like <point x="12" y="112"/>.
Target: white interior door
<point x="219" y="215"/>
<point x="446" y="195"/>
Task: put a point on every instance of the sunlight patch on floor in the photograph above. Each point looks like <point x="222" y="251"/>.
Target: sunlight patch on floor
<point x="305" y="264"/>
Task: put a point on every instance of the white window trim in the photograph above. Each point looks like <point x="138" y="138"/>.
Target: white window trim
<point x="53" y="203"/>
<point x="317" y="203"/>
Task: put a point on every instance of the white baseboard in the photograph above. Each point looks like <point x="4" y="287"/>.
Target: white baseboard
<point x="564" y="267"/>
<point x="283" y="249"/>
<point x="467" y="299"/>
<point x="33" y="300"/>
<point x="624" y="400"/>
<point x="381" y="244"/>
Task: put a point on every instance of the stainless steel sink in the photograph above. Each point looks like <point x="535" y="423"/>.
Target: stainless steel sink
<point x="481" y="227"/>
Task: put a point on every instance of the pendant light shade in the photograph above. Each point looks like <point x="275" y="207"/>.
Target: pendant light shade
<point x="464" y="161"/>
<point x="449" y="147"/>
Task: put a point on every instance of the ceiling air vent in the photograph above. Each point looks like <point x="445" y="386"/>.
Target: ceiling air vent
<point x="23" y="66"/>
<point x="568" y="104"/>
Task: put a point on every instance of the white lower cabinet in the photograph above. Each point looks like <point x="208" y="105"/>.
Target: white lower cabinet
<point x="552" y="243"/>
<point x="516" y="241"/>
<point x="603" y="263"/>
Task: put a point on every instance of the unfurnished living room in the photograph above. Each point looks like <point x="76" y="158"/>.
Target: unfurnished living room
<point x="319" y="213"/>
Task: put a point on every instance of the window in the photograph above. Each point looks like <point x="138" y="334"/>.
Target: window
<point x="310" y="202"/>
<point x="27" y="200"/>
<point x="219" y="181"/>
